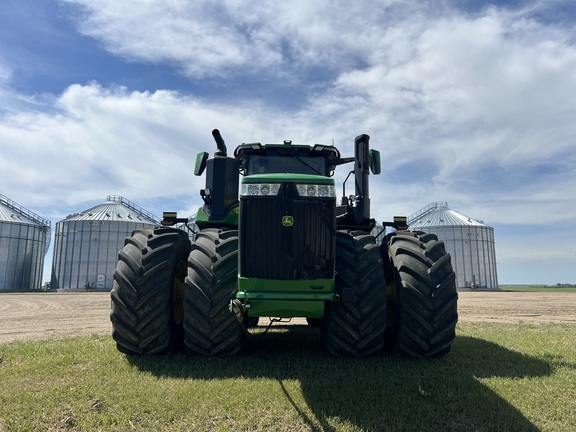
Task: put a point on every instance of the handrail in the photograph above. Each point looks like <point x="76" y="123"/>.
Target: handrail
<point x="425" y="210"/>
<point x="132" y="206"/>
<point x="24" y="211"/>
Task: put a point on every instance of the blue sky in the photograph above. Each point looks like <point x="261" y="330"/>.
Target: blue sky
<point x="469" y="102"/>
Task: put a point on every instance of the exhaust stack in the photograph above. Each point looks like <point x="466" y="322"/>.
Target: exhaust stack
<point x="361" y="176"/>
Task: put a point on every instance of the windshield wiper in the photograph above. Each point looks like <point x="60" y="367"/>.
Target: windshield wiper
<point x="303" y="162"/>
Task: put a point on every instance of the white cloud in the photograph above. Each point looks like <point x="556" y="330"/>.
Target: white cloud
<point x="101" y="141"/>
<point x="203" y="38"/>
<point x="434" y="82"/>
<point x="226" y="38"/>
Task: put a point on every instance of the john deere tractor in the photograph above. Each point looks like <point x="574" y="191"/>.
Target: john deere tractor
<point x="272" y="241"/>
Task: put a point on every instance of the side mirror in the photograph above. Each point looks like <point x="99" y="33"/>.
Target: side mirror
<point x="375" y="161"/>
<point x="200" y="163"/>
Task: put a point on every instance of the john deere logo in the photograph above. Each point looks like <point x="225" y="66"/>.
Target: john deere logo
<point x="287" y="221"/>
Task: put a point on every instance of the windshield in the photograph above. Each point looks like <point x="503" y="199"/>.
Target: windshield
<point x="313" y="165"/>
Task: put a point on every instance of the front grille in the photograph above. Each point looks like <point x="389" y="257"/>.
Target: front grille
<point x="270" y="250"/>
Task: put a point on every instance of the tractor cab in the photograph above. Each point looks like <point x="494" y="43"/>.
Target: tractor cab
<point x="287" y="158"/>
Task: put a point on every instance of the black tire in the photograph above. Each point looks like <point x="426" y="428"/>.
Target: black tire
<point x="251" y="322"/>
<point x="148" y="291"/>
<point x="210" y="328"/>
<point x="422" y="297"/>
<point x="355" y="326"/>
<point x="314" y="322"/>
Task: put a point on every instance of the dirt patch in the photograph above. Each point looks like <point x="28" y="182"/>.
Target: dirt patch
<point x="512" y="307"/>
<point x="30" y="316"/>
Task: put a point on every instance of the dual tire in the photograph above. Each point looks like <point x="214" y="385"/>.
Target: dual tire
<point x="166" y="291"/>
<point x="402" y="297"/>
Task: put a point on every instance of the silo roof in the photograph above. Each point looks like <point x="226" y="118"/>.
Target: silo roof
<point x="439" y="214"/>
<point x="13" y="212"/>
<point x="116" y="208"/>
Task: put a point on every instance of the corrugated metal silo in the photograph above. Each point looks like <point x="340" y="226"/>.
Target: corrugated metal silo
<point x="469" y="241"/>
<point x="86" y="244"/>
<point x="24" y="240"/>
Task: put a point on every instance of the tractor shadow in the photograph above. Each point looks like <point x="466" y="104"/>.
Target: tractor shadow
<point x="377" y="393"/>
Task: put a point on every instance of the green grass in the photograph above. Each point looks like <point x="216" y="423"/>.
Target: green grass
<point x="517" y="377"/>
<point x="537" y="288"/>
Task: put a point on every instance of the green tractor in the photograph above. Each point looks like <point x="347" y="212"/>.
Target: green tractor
<point x="283" y="249"/>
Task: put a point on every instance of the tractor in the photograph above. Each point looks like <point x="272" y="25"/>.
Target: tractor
<point x="273" y="242"/>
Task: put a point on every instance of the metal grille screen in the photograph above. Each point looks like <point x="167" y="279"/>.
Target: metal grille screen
<point x="270" y="250"/>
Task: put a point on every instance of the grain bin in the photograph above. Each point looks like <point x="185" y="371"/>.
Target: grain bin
<point x="86" y="244"/>
<point x="24" y="240"/>
<point x="469" y="241"/>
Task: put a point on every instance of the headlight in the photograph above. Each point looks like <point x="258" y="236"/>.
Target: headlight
<point x="259" y="189"/>
<point x="312" y="190"/>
